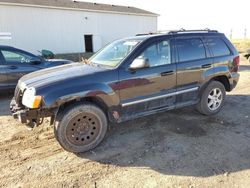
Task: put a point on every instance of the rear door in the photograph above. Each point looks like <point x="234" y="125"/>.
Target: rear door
<point x="17" y="64"/>
<point x="3" y="76"/>
<point x="193" y="61"/>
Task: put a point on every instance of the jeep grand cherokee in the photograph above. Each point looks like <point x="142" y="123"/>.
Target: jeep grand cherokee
<point x="127" y="79"/>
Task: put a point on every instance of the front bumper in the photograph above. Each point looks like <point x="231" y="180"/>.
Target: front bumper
<point x="22" y="114"/>
<point x="26" y="115"/>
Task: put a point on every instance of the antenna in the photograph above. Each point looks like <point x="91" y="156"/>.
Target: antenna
<point x="245" y="33"/>
<point x="231" y="34"/>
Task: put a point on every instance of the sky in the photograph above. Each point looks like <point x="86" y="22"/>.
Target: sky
<point x="227" y="16"/>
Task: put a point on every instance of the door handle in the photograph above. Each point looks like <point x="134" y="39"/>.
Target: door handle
<point x="167" y="73"/>
<point x="206" y="66"/>
<point x="12" y="67"/>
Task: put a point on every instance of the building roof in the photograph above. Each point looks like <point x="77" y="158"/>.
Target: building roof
<point x="87" y="6"/>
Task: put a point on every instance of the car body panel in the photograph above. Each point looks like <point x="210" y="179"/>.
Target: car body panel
<point x="190" y="73"/>
<point x="142" y="90"/>
<point x="3" y="74"/>
<point x="81" y="79"/>
<point x="52" y="75"/>
<point x="15" y="71"/>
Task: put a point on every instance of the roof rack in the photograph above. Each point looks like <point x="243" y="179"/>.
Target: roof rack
<point x="142" y="34"/>
<point x="192" y="31"/>
<point x="179" y="31"/>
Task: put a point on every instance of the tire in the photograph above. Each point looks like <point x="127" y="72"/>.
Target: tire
<point x="212" y="98"/>
<point x="80" y="127"/>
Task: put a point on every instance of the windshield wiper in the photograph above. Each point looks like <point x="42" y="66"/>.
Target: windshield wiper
<point x="85" y="61"/>
<point x="97" y="64"/>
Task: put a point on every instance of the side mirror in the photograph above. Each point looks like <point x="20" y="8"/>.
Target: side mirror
<point x="139" y="63"/>
<point x="35" y="61"/>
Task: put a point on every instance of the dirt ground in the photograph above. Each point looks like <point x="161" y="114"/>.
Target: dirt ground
<point x="179" y="148"/>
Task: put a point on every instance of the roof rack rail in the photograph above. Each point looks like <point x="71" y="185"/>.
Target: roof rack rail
<point x="142" y="34"/>
<point x="192" y="31"/>
<point x="178" y="31"/>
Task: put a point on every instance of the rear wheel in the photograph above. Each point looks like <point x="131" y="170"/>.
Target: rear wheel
<point x="212" y="98"/>
<point x="80" y="127"/>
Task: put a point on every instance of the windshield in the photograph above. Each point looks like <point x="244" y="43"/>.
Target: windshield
<point x="114" y="53"/>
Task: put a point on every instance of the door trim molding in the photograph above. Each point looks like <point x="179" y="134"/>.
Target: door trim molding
<point x="160" y="97"/>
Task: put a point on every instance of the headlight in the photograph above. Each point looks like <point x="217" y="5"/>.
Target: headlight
<point x="22" y="86"/>
<point x="30" y="99"/>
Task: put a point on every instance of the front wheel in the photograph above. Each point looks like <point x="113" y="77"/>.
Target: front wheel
<point x="212" y="98"/>
<point x="80" y="127"/>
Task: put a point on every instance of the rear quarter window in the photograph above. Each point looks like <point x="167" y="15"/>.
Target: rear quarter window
<point x="218" y="47"/>
<point x="190" y="49"/>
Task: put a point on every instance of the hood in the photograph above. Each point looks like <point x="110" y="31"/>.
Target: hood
<point x="55" y="62"/>
<point x="55" y="74"/>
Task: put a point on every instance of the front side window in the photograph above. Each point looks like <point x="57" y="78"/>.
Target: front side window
<point x="14" y="57"/>
<point x="157" y="54"/>
<point x="218" y="47"/>
<point x="114" y="53"/>
<point x="190" y="49"/>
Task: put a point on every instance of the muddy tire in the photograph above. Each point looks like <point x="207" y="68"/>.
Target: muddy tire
<point x="212" y="98"/>
<point x="80" y="127"/>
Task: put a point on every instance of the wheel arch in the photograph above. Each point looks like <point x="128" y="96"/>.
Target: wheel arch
<point x="224" y="80"/>
<point x="220" y="78"/>
<point x="99" y="102"/>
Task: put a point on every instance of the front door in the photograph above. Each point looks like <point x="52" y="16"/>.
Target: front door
<point x="17" y="64"/>
<point x="152" y="87"/>
<point x="3" y="74"/>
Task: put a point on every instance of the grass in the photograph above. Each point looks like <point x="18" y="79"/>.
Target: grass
<point x="242" y="45"/>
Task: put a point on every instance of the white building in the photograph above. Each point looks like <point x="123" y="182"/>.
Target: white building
<point x="66" y="26"/>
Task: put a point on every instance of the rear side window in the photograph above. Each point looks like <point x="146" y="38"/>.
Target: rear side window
<point x="190" y="49"/>
<point x="218" y="47"/>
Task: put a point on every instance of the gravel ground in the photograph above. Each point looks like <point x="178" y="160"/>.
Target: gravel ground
<point x="179" y="148"/>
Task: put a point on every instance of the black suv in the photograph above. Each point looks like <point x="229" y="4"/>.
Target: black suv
<point x="129" y="78"/>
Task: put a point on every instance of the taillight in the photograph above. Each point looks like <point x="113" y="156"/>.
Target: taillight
<point x="236" y="63"/>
